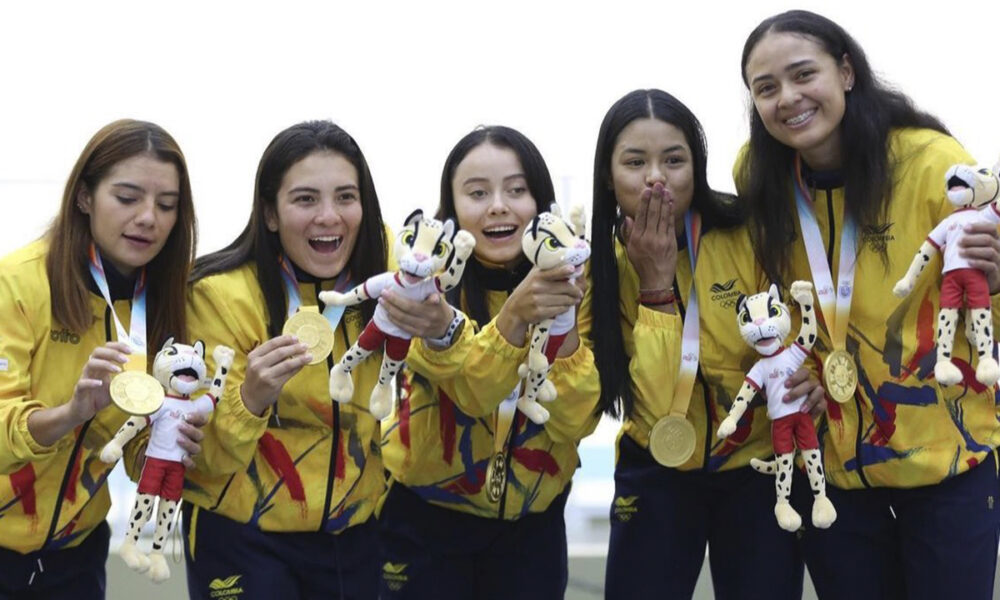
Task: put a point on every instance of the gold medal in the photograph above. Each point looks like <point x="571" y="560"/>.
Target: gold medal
<point x="496" y="477"/>
<point x="136" y="393"/>
<point x="313" y="330"/>
<point x="840" y="375"/>
<point x="671" y="441"/>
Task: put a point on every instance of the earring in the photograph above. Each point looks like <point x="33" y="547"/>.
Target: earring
<point x="849" y="88"/>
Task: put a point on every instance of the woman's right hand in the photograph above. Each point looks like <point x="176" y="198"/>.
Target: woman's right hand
<point x="650" y="239"/>
<point x="541" y="295"/>
<point x="92" y="391"/>
<point x="269" y="367"/>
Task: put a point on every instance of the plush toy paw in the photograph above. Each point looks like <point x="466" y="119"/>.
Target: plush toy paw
<point x="380" y="403"/>
<point x="111" y="452"/>
<point x="547" y="391"/>
<point x="341" y="384"/>
<point x="533" y="410"/>
<point x="223" y="356"/>
<point x="946" y="373"/>
<point x="987" y="371"/>
<point x="802" y="292"/>
<point x="333" y="298"/>
<point x="133" y="557"/>
<point x="158" y="571"/>
<point x="902" y="288"/>
<point x="824" y="514"/>
<point x="464" y="243"/>
<point x="727" y="427"/>
<point x="788" y="519"/>
<point x="537" y="362"/>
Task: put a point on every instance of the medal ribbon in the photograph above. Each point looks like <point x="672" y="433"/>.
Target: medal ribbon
<point x="136" y="336"/>
<point x="333" y="314"/>
<point x="834" y="302"/>
<point x="690" y="346"/>
<point x="504" y="418"/>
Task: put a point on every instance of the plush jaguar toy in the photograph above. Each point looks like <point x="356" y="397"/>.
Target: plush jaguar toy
<point x="764" y="323"/>
<point x="973" y="191"/>
<point x="180" y="369"/>
<point x="550" y="242"/>
<point x="423" y="248"/>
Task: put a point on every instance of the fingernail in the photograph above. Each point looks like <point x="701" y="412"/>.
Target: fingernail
<point x="116" y="368"/>
<point x="308" y="357"/>
<point x="122" y="358"/>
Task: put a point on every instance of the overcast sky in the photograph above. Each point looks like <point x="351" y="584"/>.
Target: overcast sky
<point x="409" y="79"/>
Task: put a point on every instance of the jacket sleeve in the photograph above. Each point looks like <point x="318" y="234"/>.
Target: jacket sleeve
<point x="487" y="372"/>
<point x="573" y="414"/>
<point x="232" y="432"/>
<point x="441" y="364"/>
<point x="655" y="364"/>
<point x="17" y="446"/>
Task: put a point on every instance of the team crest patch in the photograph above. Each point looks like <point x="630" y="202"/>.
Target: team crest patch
<point x="226" y="588"/>
<point x="625" y="507"/>
<point x="394" y="575"/>
<point x="877" y="236"/>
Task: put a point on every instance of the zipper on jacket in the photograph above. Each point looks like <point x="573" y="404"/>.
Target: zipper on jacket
<point x="76" y="450"/>
<point x="332" y="473"/>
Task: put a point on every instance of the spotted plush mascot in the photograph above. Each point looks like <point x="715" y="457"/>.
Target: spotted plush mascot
<point x="550" y="242"/>
<point x="764" y="323"/>
<point x="423" y="248"/>
<point x="180" y="369"/>
<point x="973" y="191"/>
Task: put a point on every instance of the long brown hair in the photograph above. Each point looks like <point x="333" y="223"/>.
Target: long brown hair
<point x="69" y="236"/>
<point x="261" y="246"/>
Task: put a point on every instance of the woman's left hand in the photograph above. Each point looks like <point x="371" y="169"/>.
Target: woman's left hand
<point x="802" y="383"/>
<point x="981" y="247"/>
<point x="429" y="318"/>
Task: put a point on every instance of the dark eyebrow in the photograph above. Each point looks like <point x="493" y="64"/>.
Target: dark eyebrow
<point x="515" y="176"/>
<point x="475" y="180"/>
<point x="303" y="188"/>
<point x="342" y="188"/>
<point x="791" y="67"/>
<point x="141" y="190"/>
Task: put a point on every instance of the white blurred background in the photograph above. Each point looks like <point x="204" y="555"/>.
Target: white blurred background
<point x="407" y="80"/>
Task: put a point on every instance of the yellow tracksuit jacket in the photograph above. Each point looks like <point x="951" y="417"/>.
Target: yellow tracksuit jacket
<point x="50" y="497"/>
<point x="440" y="439"/>
<point x="901" y="429"/>
<point x="726" y="268"/>
<point x="309" y="464"/>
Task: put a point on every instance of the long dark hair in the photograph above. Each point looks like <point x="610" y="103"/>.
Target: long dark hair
<point x="536" y="175"/>
<point x="872" y="110"/>
<point x="262" y="246"/>
<point x="69" y="236"/>
<point x="717" y="210"/>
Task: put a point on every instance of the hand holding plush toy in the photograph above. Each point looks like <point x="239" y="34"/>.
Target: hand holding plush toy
<point x="179" y="369"/>
<point x="550" y="242"/>
<point x="974" y="193"/>
<point x="423" y="248"/>
<point x="764" y="322"/>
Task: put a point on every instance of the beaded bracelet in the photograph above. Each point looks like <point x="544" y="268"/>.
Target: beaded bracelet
<point x="660" y="297"/>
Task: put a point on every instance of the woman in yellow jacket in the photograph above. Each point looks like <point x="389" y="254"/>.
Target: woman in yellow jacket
<point x="288" y="478"/>
<point x="655" y="216"/>
<point x="452" y="525"/>
<point x="120" y="249"/>
<point x="912" y="462"/>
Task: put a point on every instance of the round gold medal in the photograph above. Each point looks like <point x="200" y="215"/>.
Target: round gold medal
<point x="496" y="477"/>
<point x="671" y="441"/>
<point x="313" y="330"/>
<point x="136" y="393"/>
<point x="840" y="375"/>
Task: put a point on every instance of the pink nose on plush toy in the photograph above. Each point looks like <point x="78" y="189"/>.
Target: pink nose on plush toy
<point x="420" y="257"/>
<point x="580" y="244"/>
<point x="758" y="320"/>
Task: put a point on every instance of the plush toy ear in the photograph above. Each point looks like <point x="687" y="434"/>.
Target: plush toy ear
<point x="168" y="343"/>
<point x="199" y="348"/>
<point x="773" y="292"/>
<point x="414" y="217"/>
<point x="554" y="209"/>
<point x="740" y="302"/>
<point x="449" y="229"/>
